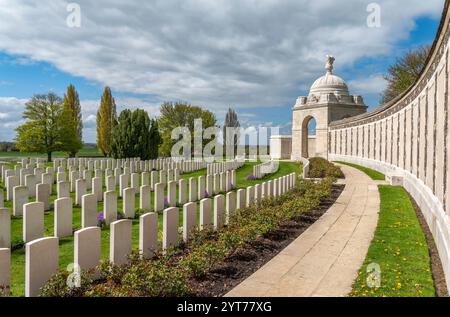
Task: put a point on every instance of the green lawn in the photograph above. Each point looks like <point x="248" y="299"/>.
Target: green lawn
<point x="84" y="152"/>
<point x="399" y="248"/>
<point x="370" y="172"/>
<point x="66" y="244"/>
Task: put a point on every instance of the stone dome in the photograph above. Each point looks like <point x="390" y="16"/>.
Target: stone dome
<point x="329" y="83"/>
<point x="329" y="89"/>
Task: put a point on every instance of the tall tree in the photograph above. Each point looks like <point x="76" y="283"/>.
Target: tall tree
<point x="42" y="132"/>
<point x="106" y="120"/>
<point x="231" y="140"/>
<point x="135" y="136"/>
<point x="181" y="115"/>
<point x="74" y="121"/>
<point x="404" y="72"/>
<point x="155" y="140"/>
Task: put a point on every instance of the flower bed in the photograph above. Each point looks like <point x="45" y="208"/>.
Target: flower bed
<point x="179" y="271"/>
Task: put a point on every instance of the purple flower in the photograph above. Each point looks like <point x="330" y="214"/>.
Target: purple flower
<point x="250" y="177"/>
<point x="100" y="216"/>
<point x="101" y="220"/>
<point x="206" y="194"/>
<point x="166" y="202"/>
<point x="120" y="216"/>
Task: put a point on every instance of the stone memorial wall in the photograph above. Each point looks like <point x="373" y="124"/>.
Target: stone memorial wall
<point x="408" y="140"/>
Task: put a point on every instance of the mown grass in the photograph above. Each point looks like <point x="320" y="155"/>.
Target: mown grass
<point x="373" y="174"/>
<point x="84" y="152"/>
<point x="399" y="248"/>
<point x="66" y="244"/>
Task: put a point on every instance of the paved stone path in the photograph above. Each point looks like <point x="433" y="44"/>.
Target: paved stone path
<point x="325" y="259"/>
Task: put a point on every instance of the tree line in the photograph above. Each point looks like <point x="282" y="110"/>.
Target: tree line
<point x="56" y="124"/>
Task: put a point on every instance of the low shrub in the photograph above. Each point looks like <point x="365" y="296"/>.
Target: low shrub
<point x="321" y="168"/>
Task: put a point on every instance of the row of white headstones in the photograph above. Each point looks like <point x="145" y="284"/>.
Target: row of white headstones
<point x="265" y="168"/>
<point x="33" y="213"/>
<point x="42" y="192"/>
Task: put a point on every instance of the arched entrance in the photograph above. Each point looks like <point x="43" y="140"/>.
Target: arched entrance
<point x="309" y="137"/>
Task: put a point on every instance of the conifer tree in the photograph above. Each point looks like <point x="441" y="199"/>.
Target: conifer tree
<point x="106" y="121"/>
<point x="72" y="117"/>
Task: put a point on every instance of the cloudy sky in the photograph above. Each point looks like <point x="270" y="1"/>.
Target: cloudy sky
<point x="256" y="56"/>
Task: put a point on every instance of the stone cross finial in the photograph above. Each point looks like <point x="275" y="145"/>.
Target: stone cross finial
<point x="329" y="64"/>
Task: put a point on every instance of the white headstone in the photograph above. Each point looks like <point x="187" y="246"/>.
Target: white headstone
<point x="41" y="262"/>
<point x="110" y="183"/>
<point x="148" y="234"/>
<point x="192" y="189"/>
<point x="159" y="197"/>
<point x="63" y="189"/>
<point x="120" y="241"/>
<point x="170" y="228"/>
<point x="87" y="247"/>
<point x="135" y="182"/>
<point x="5" y="228"/>
<point x="20" y="198"/>
<point x="172" y="193"/>
<point x="80" y="190"/>
<point x="5" y="269"/>
<point x="88" y="211"/>
<point x="11" y="182"/>
<point x="129" y="202"/>
<point x="205" y="213"/>
<point x="97" y="188"/>
<point x="144" y="197"/>
<point x="182" y="190"/>
<point x="241" y="198"/>
<point x="219" y="216"/>
<point x="230" y="205"/>
<point x="110" y="207"/>
<point x="189" y="219"/>
<point x="250" y="196"/>
<point x="30" y="182"/>
<point x="43" y="195"/>
<point x="63" y="217"/>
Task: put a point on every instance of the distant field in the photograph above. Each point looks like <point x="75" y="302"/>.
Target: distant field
<point x="91" y="152"/>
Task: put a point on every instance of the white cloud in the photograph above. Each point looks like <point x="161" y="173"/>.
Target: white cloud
<point x="368" y="85"/>
<point x="217" y="54"/>
<point x="11" y="109"/>
<point x="214" y="53"/>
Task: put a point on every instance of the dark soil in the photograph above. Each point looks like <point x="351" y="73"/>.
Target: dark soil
<point x="436" y="264"/>
<point x="246" y="260"/>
